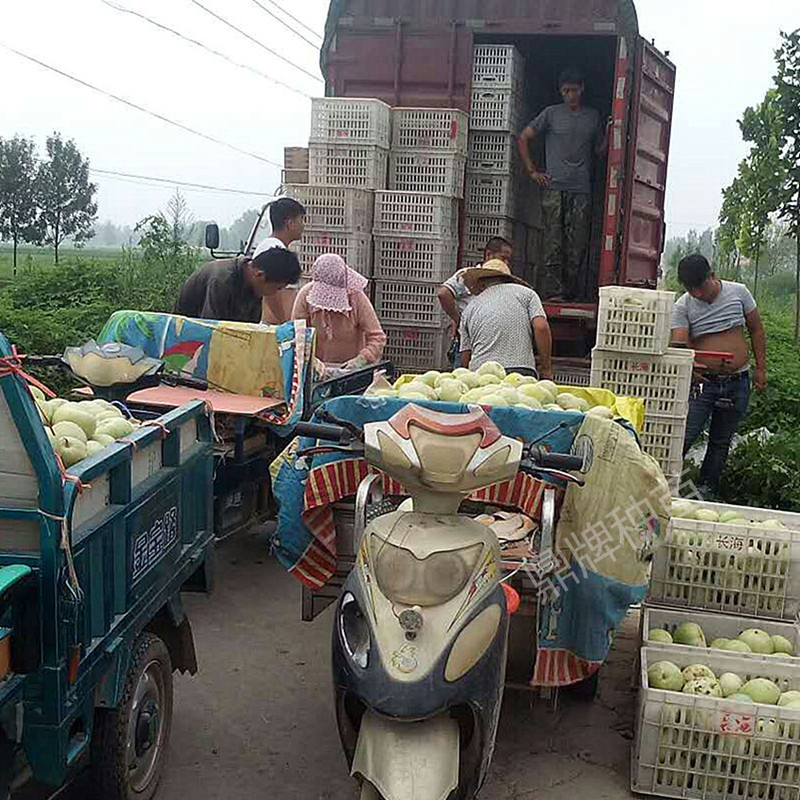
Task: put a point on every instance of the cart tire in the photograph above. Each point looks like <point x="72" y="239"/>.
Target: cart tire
<point x="521" y="658"/>
<point x="129" y="744"/>
<point x="585" y="690"/>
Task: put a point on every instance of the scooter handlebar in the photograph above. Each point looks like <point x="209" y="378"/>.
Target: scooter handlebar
<point x="544" y="460"/>
<point x="327" y="433"/>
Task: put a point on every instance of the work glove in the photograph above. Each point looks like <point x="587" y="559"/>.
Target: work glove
<point x="320" y="370"/>
<point x="359" y="362"/>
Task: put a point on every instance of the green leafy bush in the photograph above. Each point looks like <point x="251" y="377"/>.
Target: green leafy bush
<point x="764" y="475"/>
<point x="47" y="309"/>
<point x="778" y="409"/>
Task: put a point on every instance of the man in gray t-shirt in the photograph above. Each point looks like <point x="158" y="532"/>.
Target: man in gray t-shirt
<point x="573" y="136"/>
<point x="712" y="317"/>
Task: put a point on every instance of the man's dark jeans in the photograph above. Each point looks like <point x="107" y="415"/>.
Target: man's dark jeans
<point x="724" y="401"/>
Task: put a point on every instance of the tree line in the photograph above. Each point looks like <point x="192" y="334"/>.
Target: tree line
<point x="44" y="201"/>
<point x="766" y="189"/>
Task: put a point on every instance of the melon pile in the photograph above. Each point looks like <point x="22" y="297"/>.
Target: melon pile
<point x="699" y="679"/>
<point x="686" y="509"/>
<point x="490" y="385"/>
<point x="79" y="430"/>
<point x="752" y="640"/>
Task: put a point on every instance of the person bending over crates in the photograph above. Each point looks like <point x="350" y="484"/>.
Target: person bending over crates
<point x="454" y="296"/>
<point x="232" y="289"/>
<point x="504" y="322"/>
<point x="712" y="316"/>
<point x="573" y="136"/>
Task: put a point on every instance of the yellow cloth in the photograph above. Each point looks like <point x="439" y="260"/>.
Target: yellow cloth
<point x="243" y="358"/>
<point x="615" y="523"/>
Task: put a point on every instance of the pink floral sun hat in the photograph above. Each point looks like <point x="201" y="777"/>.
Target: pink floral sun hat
<point x="333" y="283"/>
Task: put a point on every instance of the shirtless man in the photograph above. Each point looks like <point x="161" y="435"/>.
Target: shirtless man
<point x="712" y="316"/>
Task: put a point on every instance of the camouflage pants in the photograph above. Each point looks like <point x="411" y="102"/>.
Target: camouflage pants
<point x="567" y="220"/>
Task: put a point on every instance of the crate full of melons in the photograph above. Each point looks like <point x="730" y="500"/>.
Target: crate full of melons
<point x="732" y="559"/>
<point x="719" y="726"/>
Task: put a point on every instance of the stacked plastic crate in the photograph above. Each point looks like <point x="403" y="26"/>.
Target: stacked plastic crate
<point x="633" y="359"/>
<point x="494" y="196"/>
<point x="416" y="232"/>
<point x="721" y="570"/>
<point x="347" y="162"/>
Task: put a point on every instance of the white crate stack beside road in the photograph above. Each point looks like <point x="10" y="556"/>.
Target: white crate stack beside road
<point x="347" y="162"/>
<point x="493" y="188"/>
<point x="416" y="232"/>
<point x="633" y="358"/>
<point x="721" y="578"/>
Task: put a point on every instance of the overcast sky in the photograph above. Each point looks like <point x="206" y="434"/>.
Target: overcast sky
<point x="723" y="50"/>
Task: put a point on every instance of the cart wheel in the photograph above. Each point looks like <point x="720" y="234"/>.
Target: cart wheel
<point x="521" y="658"/>
<point x="129" y="745"/>
<point x="586" y="689"/>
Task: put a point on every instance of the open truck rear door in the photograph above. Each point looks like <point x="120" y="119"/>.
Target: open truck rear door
<point x="634" y="219"/>
<point x="644" y="220"/>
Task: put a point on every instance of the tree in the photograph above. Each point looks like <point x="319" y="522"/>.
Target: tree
<point x="730" y="224"/>
<point x="180" y="219"/>
<point x="65" y="195"/>
<point x="17" y="197"/>
<point x="238" y="232"/>
<point x="787" y="83"/>
<point x="762" y="175"/>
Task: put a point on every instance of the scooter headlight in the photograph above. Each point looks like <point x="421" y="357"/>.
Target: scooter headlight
<point x="354" y="631"/>
<point x="412" y="581"/>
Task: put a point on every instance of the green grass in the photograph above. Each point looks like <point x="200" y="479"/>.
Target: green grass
<point x="42" y="257"/>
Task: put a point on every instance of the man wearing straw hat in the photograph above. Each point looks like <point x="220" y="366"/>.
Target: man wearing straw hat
<point x="503" y="322"/>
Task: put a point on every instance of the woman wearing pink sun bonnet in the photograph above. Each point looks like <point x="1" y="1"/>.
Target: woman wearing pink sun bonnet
<point x="335" y="305"/>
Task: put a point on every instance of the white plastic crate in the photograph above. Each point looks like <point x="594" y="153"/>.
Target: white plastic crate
<point x="440" y="129"/>
<point x="355" y="166"/>
<point x="634" y="320"/>
<point x="479" y="229"/>
<point x="693" y="746"/>
<point x="415" y="349"/>
<point x="470" y="259"/>
<point x="427" y="171"/>
<point x="349" y="120"/>
<point x="495" y="110"/>
<point x="354" y="248"/>
<point x="491" y="152"/>
<point x="497" y="66"/>
<point x="571" y="372"/>
<point x="404" y="303"/>
<point x="662" y="437"/>
<point x="663" y="382"/>
<point x="399" y="258"/>
<point x="715" y="626"/>
<point x="736" y="569"/>
<point x="334" y="207"/>
<point x="490" y="195"/>
<point x="415" y="214"/>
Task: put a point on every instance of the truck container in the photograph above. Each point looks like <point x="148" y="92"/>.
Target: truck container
<point x="420" y="54"/>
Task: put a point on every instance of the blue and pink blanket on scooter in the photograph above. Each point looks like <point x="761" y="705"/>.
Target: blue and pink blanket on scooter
<point x="606" y="533"/>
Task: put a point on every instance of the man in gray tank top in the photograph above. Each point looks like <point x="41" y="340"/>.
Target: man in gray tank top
<point x="712" y="316"/>
<point x="573" y="136"/>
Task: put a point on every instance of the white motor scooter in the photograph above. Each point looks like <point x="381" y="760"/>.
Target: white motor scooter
<point x="421" y="625"/>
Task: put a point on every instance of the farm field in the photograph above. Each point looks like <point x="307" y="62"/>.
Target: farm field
<point x="42" y="257"/>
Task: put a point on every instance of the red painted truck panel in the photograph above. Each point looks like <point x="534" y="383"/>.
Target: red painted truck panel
<point x="419" y="53"/>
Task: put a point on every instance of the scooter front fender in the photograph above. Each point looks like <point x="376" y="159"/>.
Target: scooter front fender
<point x="408" y="760"/>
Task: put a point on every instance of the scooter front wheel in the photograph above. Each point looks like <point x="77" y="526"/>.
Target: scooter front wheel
<point x="369" y="792"/>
